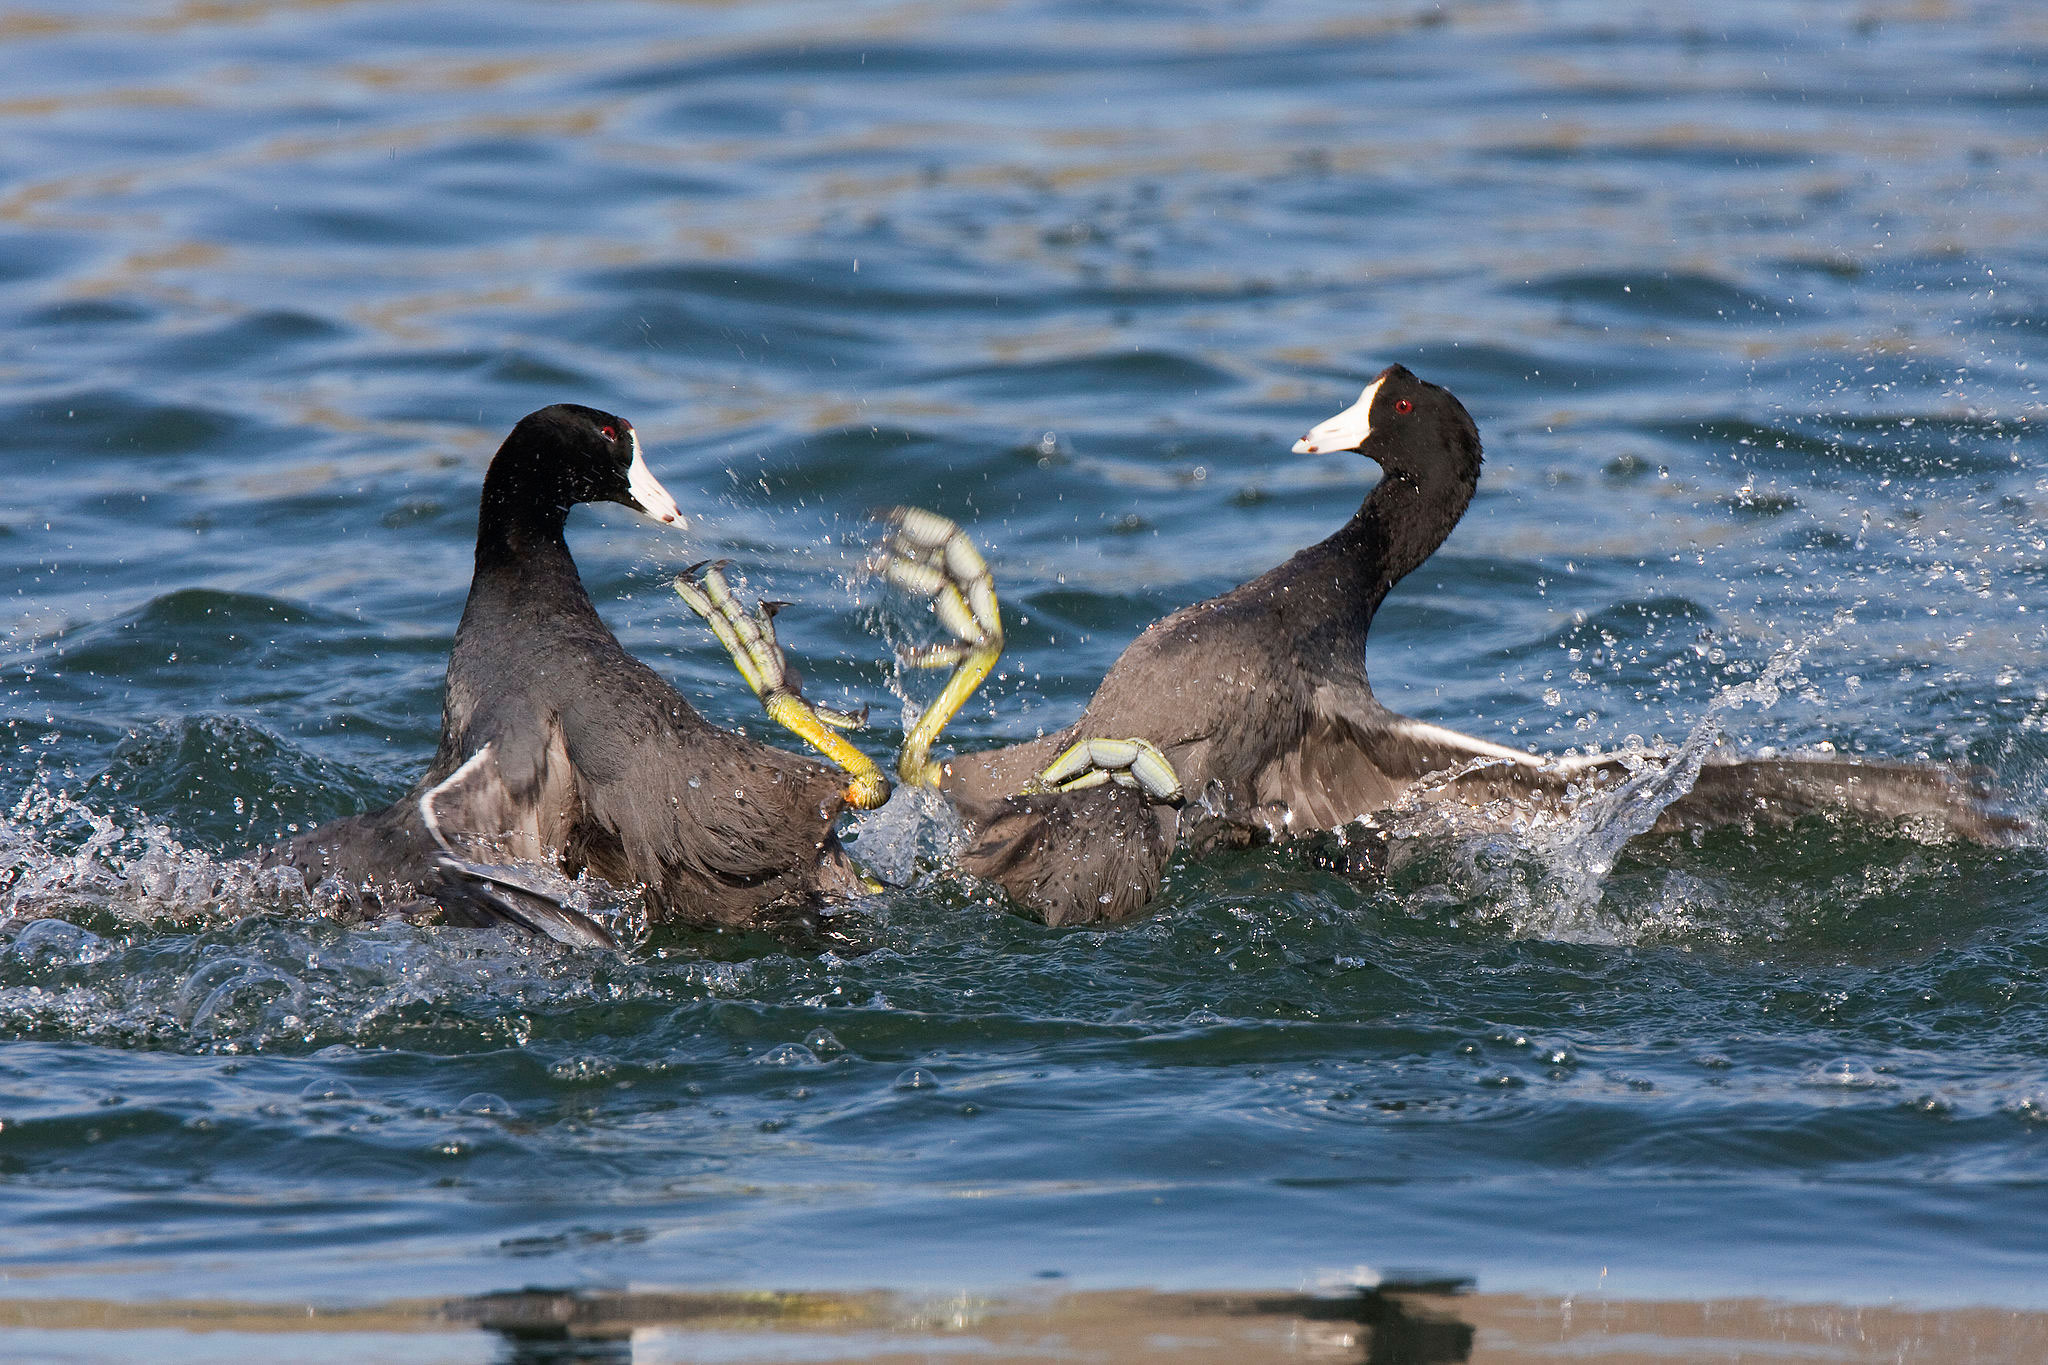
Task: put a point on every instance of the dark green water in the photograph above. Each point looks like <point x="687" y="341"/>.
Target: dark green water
<point x="1744" y="297"/>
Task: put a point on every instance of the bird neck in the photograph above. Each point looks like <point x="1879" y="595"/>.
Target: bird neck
<point x="1402" y="522"/>
<point x="520" y="518"/>
<point x="1337" y="586"/>
<point x="527" y="610"/>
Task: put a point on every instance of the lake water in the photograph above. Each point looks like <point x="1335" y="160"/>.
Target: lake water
<point x="1743" y="295"/>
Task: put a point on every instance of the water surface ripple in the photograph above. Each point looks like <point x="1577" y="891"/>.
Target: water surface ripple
<point x="1744" y="296"/>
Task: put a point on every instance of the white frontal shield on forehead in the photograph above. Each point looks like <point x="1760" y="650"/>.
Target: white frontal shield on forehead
<point x="647" y="490"/>
<point x="1347" y="430"/>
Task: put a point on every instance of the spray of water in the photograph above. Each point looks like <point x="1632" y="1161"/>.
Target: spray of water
<point x="1542" y="871"/>
<point x="118" y="932"/>
<point x="1578" y="854"/>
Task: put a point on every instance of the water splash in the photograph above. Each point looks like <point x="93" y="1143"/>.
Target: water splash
<point x="1579" y="853"/>
<point x="64" y="858"/>
<point x="916" y="833"/>
<point x="118" y="932"/>
<point x="1543" y="871"/>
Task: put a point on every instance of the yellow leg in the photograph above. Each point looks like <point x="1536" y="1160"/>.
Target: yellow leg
<point x="929" y="555"/>
<point x="868" y="788"/>
<point x="914" y="764"/>
<point x="750" y="639"/>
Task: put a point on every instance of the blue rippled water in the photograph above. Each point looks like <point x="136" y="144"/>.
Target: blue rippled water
<point x="1744" y="297"/>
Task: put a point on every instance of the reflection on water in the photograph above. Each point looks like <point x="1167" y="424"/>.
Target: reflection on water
<point x="1387" y="1324"/>
<point x="1394" y="1323"/>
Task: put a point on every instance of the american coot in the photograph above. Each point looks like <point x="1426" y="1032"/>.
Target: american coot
<point x="1249" y="716"/>
<point x="561" y="750"/>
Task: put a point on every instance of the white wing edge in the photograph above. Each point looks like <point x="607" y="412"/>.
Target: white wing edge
<point x="431" y="795"/>
<point x="1424" y="732"/>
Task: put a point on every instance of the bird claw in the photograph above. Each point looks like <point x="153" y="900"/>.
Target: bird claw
<point x="1127" y="762"/>
<point x="933" y="656"/>
<point x="749" y="637"/>
<point x="931" y="557"/>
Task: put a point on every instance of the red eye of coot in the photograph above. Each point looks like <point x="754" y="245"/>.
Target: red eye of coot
<point x="609" y="432"/>
<point x="1402" y="405"/>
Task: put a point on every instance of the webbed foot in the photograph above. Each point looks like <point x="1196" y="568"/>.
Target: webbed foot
<point x="1126" y="762"/>
<point x="749" y="637"/>
<point x="930" y="556"/>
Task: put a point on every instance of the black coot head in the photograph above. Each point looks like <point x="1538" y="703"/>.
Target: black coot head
<point x="569" y="454"/>
<point x="1408" y="426"/>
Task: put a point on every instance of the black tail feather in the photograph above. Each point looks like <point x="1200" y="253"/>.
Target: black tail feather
<point x="478" y="896"/>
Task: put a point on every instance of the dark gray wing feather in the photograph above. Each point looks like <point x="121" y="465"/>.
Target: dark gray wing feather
<point x="1780" y="790"/>
<point x="720" y="825"/>
<point x="1359" y="760"/>
<point x="476" y="896"/>
<point x="481" y="809"/>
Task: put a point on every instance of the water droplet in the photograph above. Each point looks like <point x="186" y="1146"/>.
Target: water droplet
<point x="328" y="1090"/>
<point x="787" y="1054"/>
<point x="484" y="1103"/>
<point x="585" y="1068"/>
<point x="823" y="1041"/>
<point x="917" y="1078"/>
<point x="1847" y="1073"/>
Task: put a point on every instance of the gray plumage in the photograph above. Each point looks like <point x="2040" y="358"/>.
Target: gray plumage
<point x="590" y="762"/>
<point x="1259" y="698"/>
